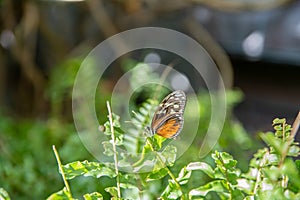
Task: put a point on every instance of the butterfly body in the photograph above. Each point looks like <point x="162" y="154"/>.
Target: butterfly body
<point x="168" y="120"/>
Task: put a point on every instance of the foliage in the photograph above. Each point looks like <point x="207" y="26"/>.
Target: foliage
<point x="27" y="161"/>
<point x="26" y="157"/>
<point x="4" y="195"/>
<point x="272" y="174"/>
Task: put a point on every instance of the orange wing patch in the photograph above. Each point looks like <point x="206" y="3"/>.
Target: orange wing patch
<point x="169" y="128"/>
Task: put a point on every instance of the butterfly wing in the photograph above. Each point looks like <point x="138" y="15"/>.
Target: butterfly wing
<point x="168" y="117"/>
<point x="171" y="127"/>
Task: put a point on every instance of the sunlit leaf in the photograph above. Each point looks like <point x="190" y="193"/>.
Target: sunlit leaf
<point x="270" y="159"/>
<point x="214" y="186"/>
<point x="113" y="191"/>
<point x="4" y="195"/>
<point x="157" y="174"/>
<point x="93" y="196"/>
<point x="275" y="193"/>
<point x="294" y="151"/>
<point x="245" y="185"/>
<point x="175" y="194"/>
<point x="184" y="176"/>
<point x="169" y="155"/>
<point x="86" y="168"/>
<point x="270" y="139"/>
<point x="157" y="142"/>
<point x="201" y="166"/>
<point x="273" y="173"/>
<point x="61" y="195"/>
<point x="128" y="181"/>
<point x="224" y="159"/>
<point x="172" y="191"/>
<point x="278" y="121"/>
<point x="249" y="197"/>
<point x="256" y="160"/>
<point x="145" y="165"/>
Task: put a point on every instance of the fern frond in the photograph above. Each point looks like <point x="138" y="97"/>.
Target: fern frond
<point x="136" y="135"/>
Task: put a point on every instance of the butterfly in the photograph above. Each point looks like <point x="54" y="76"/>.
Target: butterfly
<point x="167" y="120"/>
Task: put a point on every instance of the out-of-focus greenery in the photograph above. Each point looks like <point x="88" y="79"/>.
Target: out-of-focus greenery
<point x="28" y="168"/>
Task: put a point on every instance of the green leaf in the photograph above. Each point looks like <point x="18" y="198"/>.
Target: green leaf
<point x="157" y="141"/>
<point x="213" y="186"/>
<point x="237" y="194"/>
<point x="119" y="133"/>
<point x="271" y="159"/>
<point x="224" y="159"/>
<point x="277" y="121"/>
<point x="227" y="166"/>
<point x="256" y="160"/>
<point x="246" y="185"/>
<point x="171" y="191"/>
<point x="297" y="162"/>
<point x="157" y="174"/>
<point x="270" y="139"/>
<point x="145" y="164"/>
<point x="108" y="148"/>
<point x="201" y="166"/>
<point x="184" y="176"/>
<point x="290" y="169"/>
<point x="86" y="168"/>
<point x="175" y="194"/>
<point x="169" y="155"/>
<point x="249" y="197"/>
<point x="294" y="151"/>
<point x="113" y="191"/>
<point x="93" y="196"/>
<point x="273" y="173"/>
<point x="4" y="195"/>
<point x="274" y="193"/>
<point x="128" y="181"/>
<point x="232" y="177"/>
<point x="61" y="195"/>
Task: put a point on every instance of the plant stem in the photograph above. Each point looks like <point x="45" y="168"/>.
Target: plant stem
<point x="114" y="148"/>
<point x="295" y="126"/>
<point x="61" y="169"/>
<point x="290" y="140"/>
<point x="258" y="175"/>
<point x="163" y="164"/>
<point x="283" y="131"/>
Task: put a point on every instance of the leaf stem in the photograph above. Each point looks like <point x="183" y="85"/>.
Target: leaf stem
<point x="163" y="164"/>
<point x="114" y="148"/>
<point x="61" y="169"/>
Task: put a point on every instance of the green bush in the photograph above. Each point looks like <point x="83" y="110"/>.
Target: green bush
<point x="272" y="174"/>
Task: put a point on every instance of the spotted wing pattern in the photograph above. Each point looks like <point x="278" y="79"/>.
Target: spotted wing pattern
<point x="168" y="117"/>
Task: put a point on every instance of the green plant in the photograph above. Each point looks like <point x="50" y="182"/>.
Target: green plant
<point x="272" y="174"/>
<point x="26" y="160"/>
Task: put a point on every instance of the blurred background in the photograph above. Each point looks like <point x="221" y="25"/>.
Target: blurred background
<point x="255" y="44"/>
